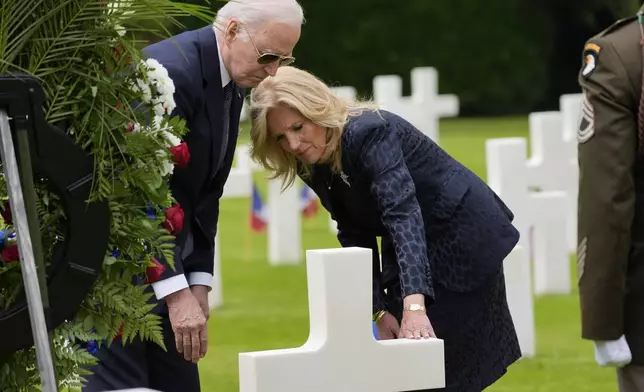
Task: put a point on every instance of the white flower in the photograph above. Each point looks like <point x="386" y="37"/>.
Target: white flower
<point x="159" y="84"/>
<point x="173" y="140"/>
<point x="144" y="89"/>
<point x="136" y="127"/>
<point x="158" y="120"/>
<point x="155" y="69"/>
<point x="158" y="91"/>
<point x="169" y="104"/>
<point x="159" y="110"/>
<point x="168" y="166"/>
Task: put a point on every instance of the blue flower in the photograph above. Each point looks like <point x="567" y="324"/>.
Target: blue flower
<point x="115" y="253"/>
<point x="92" y="347"/>
<point x="10" y="239"/>
<point x="150" y="211"/>
<point x="7" y="238"/>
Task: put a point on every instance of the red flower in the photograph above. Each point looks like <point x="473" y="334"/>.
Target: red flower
<point x="130" y="127"/>
<point x="5" y="211"/>
<point x="119" y="334"/>
<point x="154" y="273"/>
<point x="180" y="155"/>
<point x="10" y="254"/>
<point x="173" y="219"/>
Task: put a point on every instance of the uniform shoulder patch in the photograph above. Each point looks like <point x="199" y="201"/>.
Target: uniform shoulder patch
<point x="587" y="121"/>
<point x="591" y="54"/>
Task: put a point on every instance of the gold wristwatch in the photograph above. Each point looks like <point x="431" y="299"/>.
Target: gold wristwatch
<point x="414" y="308"/>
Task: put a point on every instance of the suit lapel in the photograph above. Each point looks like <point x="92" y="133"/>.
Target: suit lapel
<point x="213" y="93"/>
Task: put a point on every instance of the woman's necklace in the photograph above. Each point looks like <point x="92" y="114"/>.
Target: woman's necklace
<point x="329" y="180"/>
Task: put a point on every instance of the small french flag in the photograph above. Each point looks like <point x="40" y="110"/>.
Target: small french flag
<point x="258" y="219"/>
<point x="308" y="201"/>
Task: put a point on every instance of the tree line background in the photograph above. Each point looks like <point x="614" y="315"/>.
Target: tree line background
<point x="499" y="56"/>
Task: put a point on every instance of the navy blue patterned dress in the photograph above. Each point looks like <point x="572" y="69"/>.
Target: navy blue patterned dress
<point x="444" y="234"/>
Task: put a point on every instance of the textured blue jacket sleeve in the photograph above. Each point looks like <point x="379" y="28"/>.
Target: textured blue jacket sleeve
<point x="382" y="162"/>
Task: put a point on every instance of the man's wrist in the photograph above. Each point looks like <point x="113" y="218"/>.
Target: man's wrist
<point x="200" y="288"/>
<point x="177" y="296"/>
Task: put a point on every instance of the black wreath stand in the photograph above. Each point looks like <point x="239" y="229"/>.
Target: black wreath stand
<point x="28" y="145"/>
<point x="22" y="199"/>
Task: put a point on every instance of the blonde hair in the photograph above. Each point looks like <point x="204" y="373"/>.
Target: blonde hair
<point x="314" y="100"/>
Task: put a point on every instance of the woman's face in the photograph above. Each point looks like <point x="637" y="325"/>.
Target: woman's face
<point x="296" y="134"/>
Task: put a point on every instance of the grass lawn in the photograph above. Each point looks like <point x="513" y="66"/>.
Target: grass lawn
<point x="266" y="307"/>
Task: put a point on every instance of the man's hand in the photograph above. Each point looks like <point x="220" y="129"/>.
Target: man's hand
<point x="387" y="327"/>
<point x="613" y="353"/>
<point x="201" y="293"/>
<point x="188" y="324"/>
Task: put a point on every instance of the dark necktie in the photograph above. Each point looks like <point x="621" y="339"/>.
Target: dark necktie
<point x="228" y="95"/>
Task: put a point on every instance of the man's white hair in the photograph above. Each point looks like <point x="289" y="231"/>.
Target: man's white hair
<point x="254" y="12"/>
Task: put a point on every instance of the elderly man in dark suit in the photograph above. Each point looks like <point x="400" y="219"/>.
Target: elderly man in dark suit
<point x="210" y="68"/>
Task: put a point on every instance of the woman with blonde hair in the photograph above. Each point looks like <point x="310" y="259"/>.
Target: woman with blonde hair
<point x="444" y="232"/>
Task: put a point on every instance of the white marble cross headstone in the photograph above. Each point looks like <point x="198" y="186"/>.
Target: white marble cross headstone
<point x="341" y="353"/>
<point x="518" y="287"/>
<point x="240" y="180"/>
<point x="244" y="114"/>
<point x="347" y="93"/>
<point x="544" y="211"/>
<point x="284" y="224"/>
<point x="216" y="294"/>
<point x="551" y="166"/>
<point x="284" y="237"/>
<point x="424" y="107"/>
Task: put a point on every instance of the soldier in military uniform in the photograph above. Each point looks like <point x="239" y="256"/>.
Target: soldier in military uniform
<point x="610" y="254"/>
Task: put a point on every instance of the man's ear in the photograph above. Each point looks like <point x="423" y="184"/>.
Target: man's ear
<point x="231" y="31"/>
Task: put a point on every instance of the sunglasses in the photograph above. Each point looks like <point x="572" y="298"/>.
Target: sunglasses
<point x="269" y="58"/>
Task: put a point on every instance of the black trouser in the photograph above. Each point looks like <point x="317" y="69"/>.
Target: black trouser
<point x="144" y="365"/>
